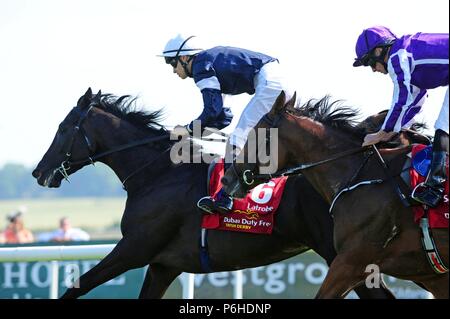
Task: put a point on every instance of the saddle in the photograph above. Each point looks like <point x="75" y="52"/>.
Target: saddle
<point x="428" y="218"/>
<point x="253" y="213"/>
<point x="411" y="170"/>
<point x="421" y="160"/>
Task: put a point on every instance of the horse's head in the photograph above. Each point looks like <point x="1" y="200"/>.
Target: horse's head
<point x="71" y="144"/>
<point x="413" y="135"/>
<point x="253" y="166"/>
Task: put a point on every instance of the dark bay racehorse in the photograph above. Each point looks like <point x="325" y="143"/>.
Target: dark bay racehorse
<point x="371" y="225"/>
<point x="161" y="223"/>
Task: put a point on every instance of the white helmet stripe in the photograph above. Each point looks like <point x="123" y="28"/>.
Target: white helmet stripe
<point x="181" y="45"/>
<point x="182" y="50"/>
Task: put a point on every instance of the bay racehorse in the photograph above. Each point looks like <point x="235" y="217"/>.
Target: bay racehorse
<point x="161" y="223"/>
<point x="372" y="228"/>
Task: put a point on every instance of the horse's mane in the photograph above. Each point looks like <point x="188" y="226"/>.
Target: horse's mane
<point x="125" y="107"/>
<point x="346" y="118"/>
<point x="330" y="113"/>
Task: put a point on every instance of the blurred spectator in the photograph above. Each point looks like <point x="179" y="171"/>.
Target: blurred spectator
<point x="15" y="232"/>
<point x="65" y="233"/>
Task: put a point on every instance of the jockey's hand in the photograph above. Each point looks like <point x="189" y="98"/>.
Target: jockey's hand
<point x="380" y="136"/>
<point x="180" y="130"/>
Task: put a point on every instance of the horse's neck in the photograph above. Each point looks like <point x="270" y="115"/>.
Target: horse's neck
<point x="110" y="136"/>
<point x="137" y="166"/>
<point x="319" y="143"/>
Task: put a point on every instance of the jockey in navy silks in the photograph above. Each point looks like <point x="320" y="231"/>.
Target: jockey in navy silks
<point x="225" y="70"/>
<point x="415" y="64"/>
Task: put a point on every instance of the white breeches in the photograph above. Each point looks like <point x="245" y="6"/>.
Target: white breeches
<point x="269" y="83"/>
<point x="442" y="120"/>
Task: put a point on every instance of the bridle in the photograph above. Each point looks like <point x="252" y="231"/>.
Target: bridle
<point x="67" y="163"/>
<point x="248" y="176"/>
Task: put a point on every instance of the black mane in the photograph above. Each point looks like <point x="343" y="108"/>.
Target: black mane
<point x="331" y="113"/>
<point x="346" y="118"/>
<point x="125" y="108"/>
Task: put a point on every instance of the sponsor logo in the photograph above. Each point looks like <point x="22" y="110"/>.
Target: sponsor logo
<point x="261" y="209"/>
<point x="248" y="213"/>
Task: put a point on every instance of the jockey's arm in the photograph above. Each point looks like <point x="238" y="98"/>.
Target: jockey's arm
<point x="407" y="99"/>
<point x="214" y="114"/>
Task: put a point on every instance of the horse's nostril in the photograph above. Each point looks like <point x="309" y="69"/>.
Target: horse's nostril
<point x="36" y="173"/>
<point x="224" y="181"/>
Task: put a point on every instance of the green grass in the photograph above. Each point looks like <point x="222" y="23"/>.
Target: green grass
<point x="87" y="213"/>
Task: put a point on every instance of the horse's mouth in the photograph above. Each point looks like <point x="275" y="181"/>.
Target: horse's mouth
<point x="50" y="179"/>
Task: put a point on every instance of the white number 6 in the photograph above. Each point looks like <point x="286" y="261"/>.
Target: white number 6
<point x="262" y="193"/>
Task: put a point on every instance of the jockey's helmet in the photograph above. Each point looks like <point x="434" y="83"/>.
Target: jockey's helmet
<point x="179" y="46"/>
<point x="369" y="39"/>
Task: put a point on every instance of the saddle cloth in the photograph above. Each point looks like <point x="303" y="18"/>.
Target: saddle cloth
<point x="439" y="216"/>
<point x="253" y="213"/>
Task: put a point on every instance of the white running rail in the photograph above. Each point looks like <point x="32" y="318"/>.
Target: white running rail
<point x="87" y="252"/>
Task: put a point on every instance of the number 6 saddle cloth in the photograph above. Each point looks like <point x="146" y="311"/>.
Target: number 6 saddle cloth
<point x="253" y="213"/>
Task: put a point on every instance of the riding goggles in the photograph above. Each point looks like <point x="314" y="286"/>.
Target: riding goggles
<point x="370" y="59"/>
<point x="173" y="61"/>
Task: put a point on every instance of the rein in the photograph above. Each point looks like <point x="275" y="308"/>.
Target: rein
<point x="142" y="167"/>
<point x="67" y="163"/>
<point x="148" y="140"/>
<point x="296" y="169"/>
<point x="248" y="177"/>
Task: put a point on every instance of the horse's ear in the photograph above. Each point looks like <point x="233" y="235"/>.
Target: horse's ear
<point x="291" y="102"/>
<point x="279" y="104"/>
<point x="85" y="99"/>
<point x="97" y="97"/>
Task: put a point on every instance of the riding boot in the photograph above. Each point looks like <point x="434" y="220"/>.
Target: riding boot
<point x="222" y="204"/>
<point x="432" y="190"/>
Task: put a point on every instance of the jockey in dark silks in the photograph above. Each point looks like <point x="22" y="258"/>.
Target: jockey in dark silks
<point x="415" y="64"/>
<point x="225" y="70"/>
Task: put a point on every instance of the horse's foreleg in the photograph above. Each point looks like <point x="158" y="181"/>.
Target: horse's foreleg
<point x="119" y="260"/>
<point x="362" y="291"/>
<point x="382" y="292"/>
<point x="157" y="279"/>
<point x="341" y="278"/>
